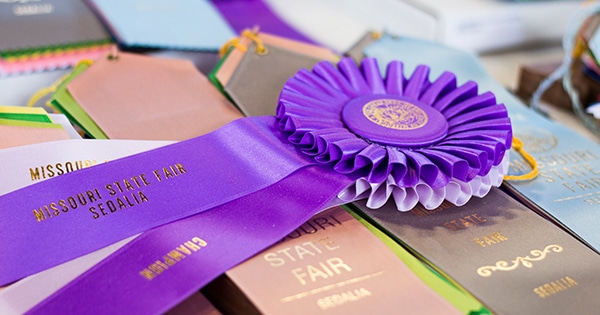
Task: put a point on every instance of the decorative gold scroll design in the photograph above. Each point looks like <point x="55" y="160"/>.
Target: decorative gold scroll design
<point x="535" y="255"/>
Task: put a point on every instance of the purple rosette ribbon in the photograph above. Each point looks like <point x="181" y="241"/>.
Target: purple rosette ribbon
<point x="340" y="134"/>
<point x="408" y="138"/>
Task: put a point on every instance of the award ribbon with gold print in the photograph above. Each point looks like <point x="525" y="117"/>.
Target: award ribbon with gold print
<point x="415" y="140"/>
<point x="338" y="132"/>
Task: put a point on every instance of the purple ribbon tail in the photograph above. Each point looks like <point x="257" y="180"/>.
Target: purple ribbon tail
<point x="86" y="210"/>
<point x="147" y="277"/>
<point x="245" y="14"/>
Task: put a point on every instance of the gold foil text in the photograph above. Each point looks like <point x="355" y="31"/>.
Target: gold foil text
<point x="464" y="222"/>
<point x="490" y="239"/>
<point x="171" y="258"/>
<point x="323" y="270"/>
<point x="334" y="300"/>
<point x="554" y="287"/>
<point x="298" y="252"/>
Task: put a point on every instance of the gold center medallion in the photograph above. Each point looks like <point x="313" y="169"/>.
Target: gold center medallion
<point x="395" y="114"/>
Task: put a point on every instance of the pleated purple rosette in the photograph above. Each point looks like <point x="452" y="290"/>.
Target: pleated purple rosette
<point x="409" y="138"/>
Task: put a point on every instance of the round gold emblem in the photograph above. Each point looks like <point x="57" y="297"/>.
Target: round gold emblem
<point x="395" y="114"/>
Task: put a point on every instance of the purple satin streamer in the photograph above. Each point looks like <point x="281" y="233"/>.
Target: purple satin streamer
<point x="220" y="167"/>
<point x="233" y="232"/>
<point x="245" y="14"/>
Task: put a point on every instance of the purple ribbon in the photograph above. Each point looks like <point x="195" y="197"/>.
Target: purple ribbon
<point x="76" y="213"/>
<point x="259" y="177"/>
<point x="245" y="14"/>
<point x="230" y="234"/>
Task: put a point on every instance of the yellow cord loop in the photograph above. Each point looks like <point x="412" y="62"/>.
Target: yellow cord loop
<point x="51" y="89"/>
<point x="261" y="49"/>
<point x="518" y="146"/>
<point x="234" y="42"/>
<point x="45" y="91"/>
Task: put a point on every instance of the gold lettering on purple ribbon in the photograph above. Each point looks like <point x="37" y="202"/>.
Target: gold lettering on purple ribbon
<point x="171" y="171"/>
<point x="54" y="209"/>
<point x="395" y="114"/>
<point x="122" y="194"/>
<point x="173" y="257"/>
